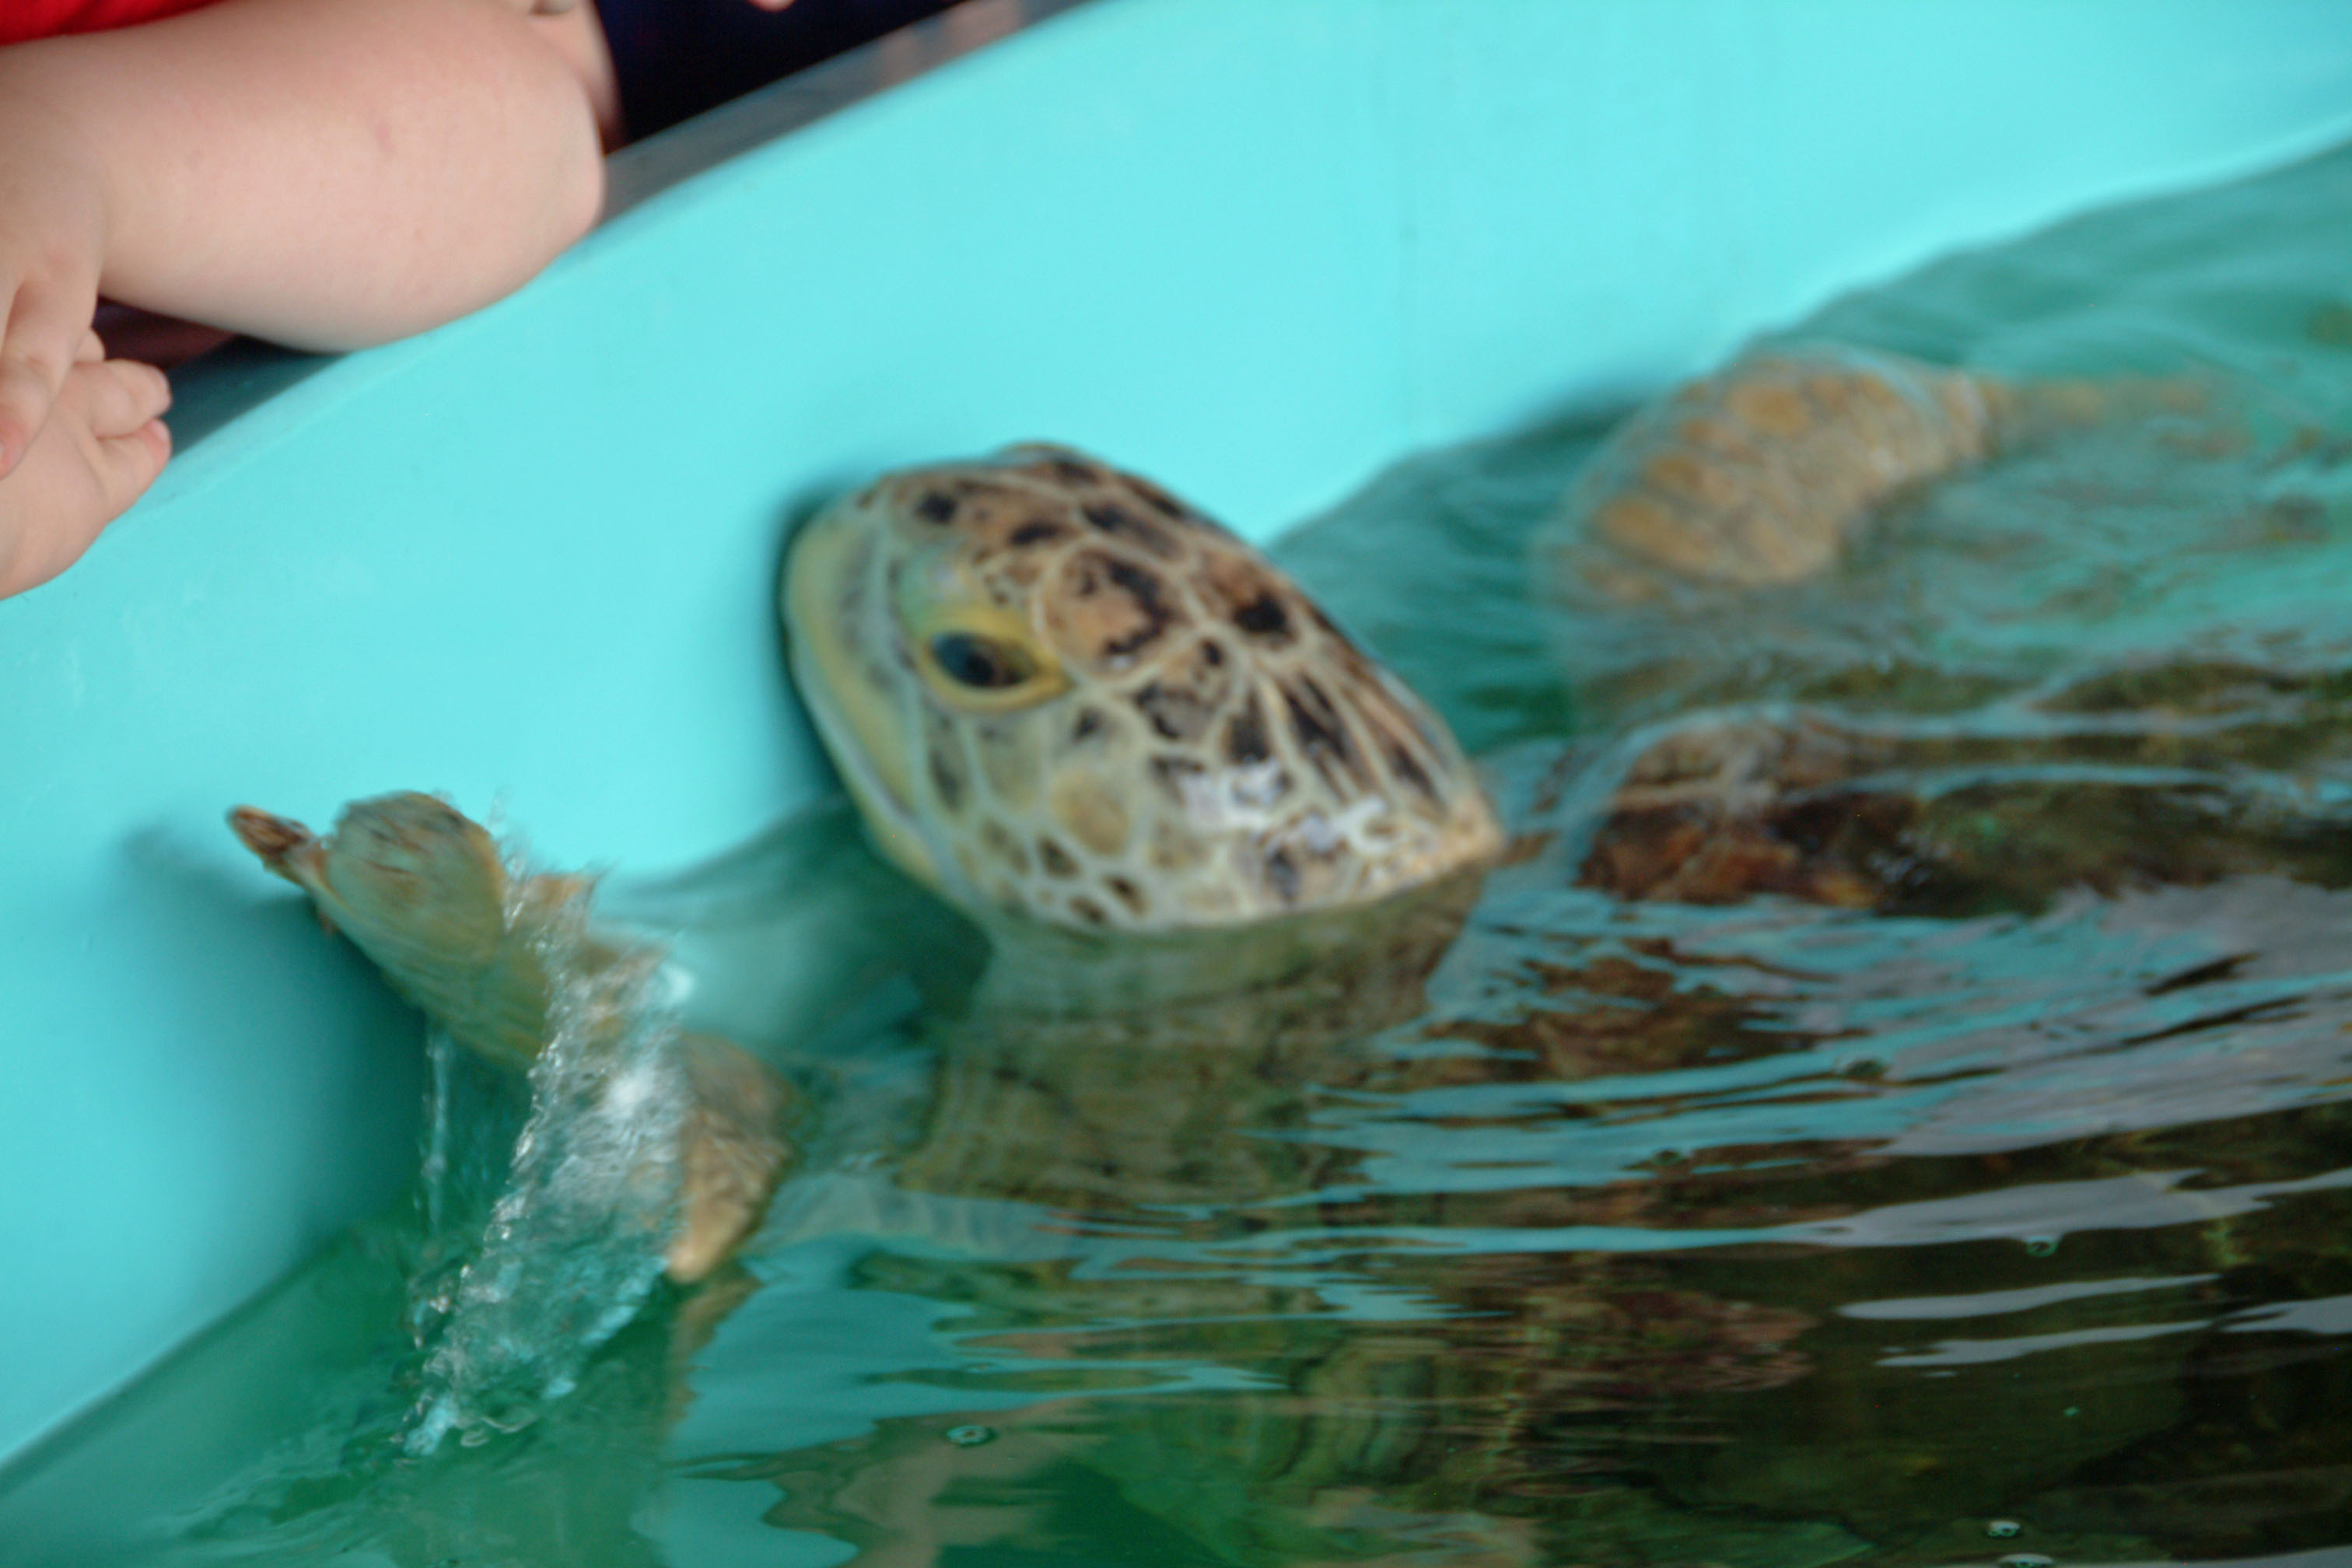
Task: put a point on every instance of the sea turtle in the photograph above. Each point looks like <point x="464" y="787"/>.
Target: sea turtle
<point x="1060" y="694"/>
<point x="1056" y="692"/>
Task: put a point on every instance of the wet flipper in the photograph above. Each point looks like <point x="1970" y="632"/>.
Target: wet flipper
<point x="1764" y="472"/>
<point x="424" y="892"/>
<point x="1767" y="472"/>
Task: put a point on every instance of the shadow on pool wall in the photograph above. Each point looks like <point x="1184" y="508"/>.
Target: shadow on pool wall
<point x="1255" y="251"/>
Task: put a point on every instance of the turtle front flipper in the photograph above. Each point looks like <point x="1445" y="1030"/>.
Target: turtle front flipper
<point x="424" y="892"/>
<point x="1763" y="472"/>
<point x="421" y="889"/>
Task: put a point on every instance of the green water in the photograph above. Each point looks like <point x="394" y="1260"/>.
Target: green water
<point x="2002" y="1216"/>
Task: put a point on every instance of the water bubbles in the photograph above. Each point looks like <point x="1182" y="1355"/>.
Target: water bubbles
<point x="2041" y="1245"/>
<point x="2002" y="1529"/>
<point x="970" y="1436"/>
<point x="628" y="1092"/>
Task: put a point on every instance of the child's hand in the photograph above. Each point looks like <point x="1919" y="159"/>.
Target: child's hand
<point x="52" y="244"/>
<point x="101" y="447"/>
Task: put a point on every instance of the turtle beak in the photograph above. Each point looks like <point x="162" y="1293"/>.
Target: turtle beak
<point x="837" y="619"/>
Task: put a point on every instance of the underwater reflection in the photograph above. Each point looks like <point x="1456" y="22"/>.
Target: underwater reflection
<point x="1624" y="1237"/>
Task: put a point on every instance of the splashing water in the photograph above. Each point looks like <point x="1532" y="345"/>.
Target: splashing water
<point x="573" y="1242"/>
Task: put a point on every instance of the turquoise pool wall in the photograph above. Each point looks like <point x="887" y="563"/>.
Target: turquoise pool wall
<point x="1258" y="250"/>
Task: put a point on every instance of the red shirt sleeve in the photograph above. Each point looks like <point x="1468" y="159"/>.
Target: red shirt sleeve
<point x="24" y="20"/>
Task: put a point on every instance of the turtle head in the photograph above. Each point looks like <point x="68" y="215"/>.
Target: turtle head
<point x="1054" y="689"/>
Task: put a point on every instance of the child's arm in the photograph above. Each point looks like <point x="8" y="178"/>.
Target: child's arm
<point x="322" y="173"/>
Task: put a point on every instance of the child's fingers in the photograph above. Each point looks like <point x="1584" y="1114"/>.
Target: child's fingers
<point x="117" y="396"/>
<point x="127" y="463"/>
<point x="119" y="403"/>
<point x="44" y="332"/>
<point x="93" y="348"/>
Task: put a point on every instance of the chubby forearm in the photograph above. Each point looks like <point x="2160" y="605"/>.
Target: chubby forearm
<point x="322" y="173"/>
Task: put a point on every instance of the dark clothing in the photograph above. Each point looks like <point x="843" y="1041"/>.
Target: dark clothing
<point x="675" y="58"/>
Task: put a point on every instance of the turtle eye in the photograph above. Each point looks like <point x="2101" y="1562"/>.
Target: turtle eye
<point x="981" y="662"/>
<point x="980" y="659"/>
